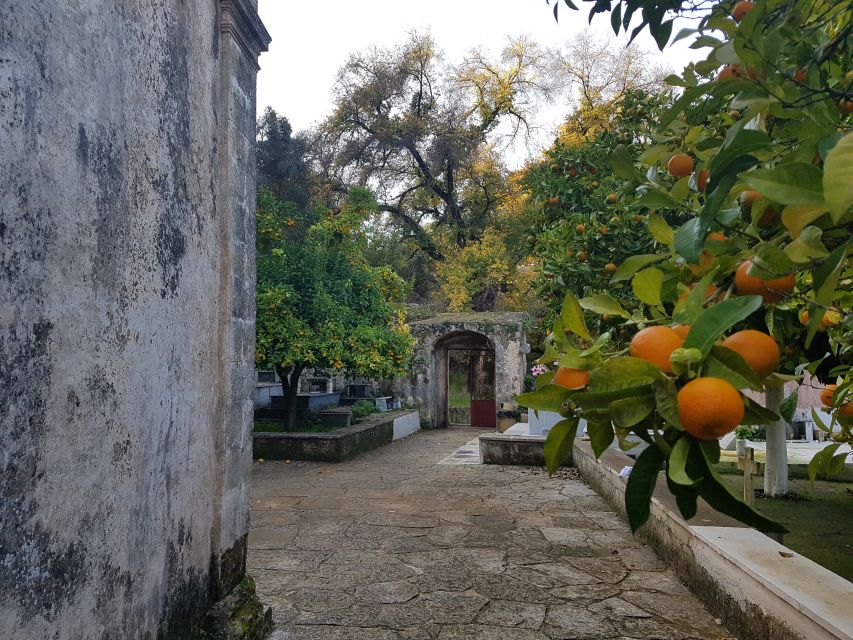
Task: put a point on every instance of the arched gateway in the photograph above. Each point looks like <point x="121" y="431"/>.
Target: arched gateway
<point x="491" y="346"/>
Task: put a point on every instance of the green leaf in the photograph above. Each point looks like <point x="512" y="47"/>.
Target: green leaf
<point x="769" y="261"/>
<point x="548" y="398"/>
<point x="572" y="317"/>
<point x="656" y="200"/>
<point x="837" y="185"/>
<point x="551" y="353"/>
<point x="545" y="379"/>
<point x="647" y="285"/>
<point x="797" y="217"/>
<point x="720" y="496"/>
<point x="623" y="164"/>
<point x="632" y="264"/>
<point x="630" y="411"/>
<point x="820" y="461"/>
<point x="604" y="303"/>
<point x="676" y="467"/>
<point x="660" y="229"/>
<point x="600" y="436"/>
<point x="807" y="246"/>
<point x="731" y="367"/>
<point x="685" y="497"/>
<point x="666" y="400"/>
<point x="794" y="183"/>
<point x="789" y="406"/>
<point x="689" y="240"/>
<point x="719" y="318"/>
<point x="593" y="400"/>
<point x="755" y="414"/>
<point x="825" y="278"/>
<point x="739" y="143"/>
<point x="641" y="486"/>
<point x="623" y="373"/>
<point x="558" y="444"/>
<point x="837" y="464"/>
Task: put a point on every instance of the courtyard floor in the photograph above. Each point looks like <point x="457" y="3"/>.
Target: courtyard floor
<point x="398" y="545"/>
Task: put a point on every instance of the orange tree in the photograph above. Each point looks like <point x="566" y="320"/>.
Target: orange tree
<point x="588" y="226"/>
<point x="768" y="111"/>
<point x="319" y="304"/>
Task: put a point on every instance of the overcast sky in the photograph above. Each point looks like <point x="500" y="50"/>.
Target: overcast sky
<point x="312" y="39"/>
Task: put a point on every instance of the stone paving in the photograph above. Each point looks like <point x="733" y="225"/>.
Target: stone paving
<point x="394" y="546"/>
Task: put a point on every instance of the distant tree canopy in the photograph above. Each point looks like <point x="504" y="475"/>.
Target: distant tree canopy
<point x="281" y="160"/>
<point x="421" y="132"/>
<point x="430" y="138"/>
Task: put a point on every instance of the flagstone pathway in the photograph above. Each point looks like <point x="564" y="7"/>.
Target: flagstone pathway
<point x="395" y="546"/>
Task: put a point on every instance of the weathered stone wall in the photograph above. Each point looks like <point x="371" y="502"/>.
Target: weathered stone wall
<point x="126" y="312"/>
<point x="426" y="386"/>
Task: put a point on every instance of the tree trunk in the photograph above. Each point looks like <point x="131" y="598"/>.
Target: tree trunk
<point x="289" y="389"/>
<point x="776" y="467"/>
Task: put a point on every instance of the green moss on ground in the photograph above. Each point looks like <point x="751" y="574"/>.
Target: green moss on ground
<point x="821" y="523"/>
<point x="274" y="426"/>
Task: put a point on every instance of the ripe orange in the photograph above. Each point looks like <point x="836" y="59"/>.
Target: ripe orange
<point x="655" y="344"/>
<point x="804" y="320"/>
<point x="826" y="394"/>
<point x="603" y="230"/>
<point x="717" y="236"/>
<point x="580" y="228"/>
<point x="845" y="105"/>
<point x="570" y="252"/>
<point x="771" y="290"/>
<point x="747" y="199"/>
<point x="680" y="165"/>
<point x="638" y="218"/>
<point x="612" y="198"/>
<point x="831" y="317"/>
<point x="571" y="378"/>
<point x="582" y="256"/>
<point x="710" y="292"/>
<point x="758" y="349"/>
<point x="610" y="267"/>
<point x="553" y="200"/>
<point x="682" y="330"/>
<point x="741" y="9"/>
<point x="709" y="408"/>
<point x="730" y="71"/>
<point x="702" y="179"/>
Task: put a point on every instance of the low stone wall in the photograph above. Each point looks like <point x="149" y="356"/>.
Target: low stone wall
<point x="330" y="446"/>
<point x="501" y="448"/>
<point x="737" y="572"/>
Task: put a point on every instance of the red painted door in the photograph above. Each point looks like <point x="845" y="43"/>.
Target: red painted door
<point x="483" y="413"/>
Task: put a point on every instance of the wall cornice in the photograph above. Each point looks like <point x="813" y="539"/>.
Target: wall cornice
<point x="240" y="20"/>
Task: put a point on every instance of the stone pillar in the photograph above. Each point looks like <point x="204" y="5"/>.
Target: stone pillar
<point x="242" y="38"/>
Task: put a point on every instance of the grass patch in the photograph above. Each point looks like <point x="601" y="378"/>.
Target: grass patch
<point x="820" y="522"/>
<point x="457" y="390"/>
<point x="274" y="426"/>
<point x="268" y="426"/>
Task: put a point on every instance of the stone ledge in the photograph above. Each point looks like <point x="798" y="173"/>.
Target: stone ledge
<point x="737" y="572"/>
<point x="505" y="449"/>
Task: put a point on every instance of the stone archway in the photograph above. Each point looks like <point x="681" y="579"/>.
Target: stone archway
<point x="502" y="333"/>
<point x="481" y="375"/>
